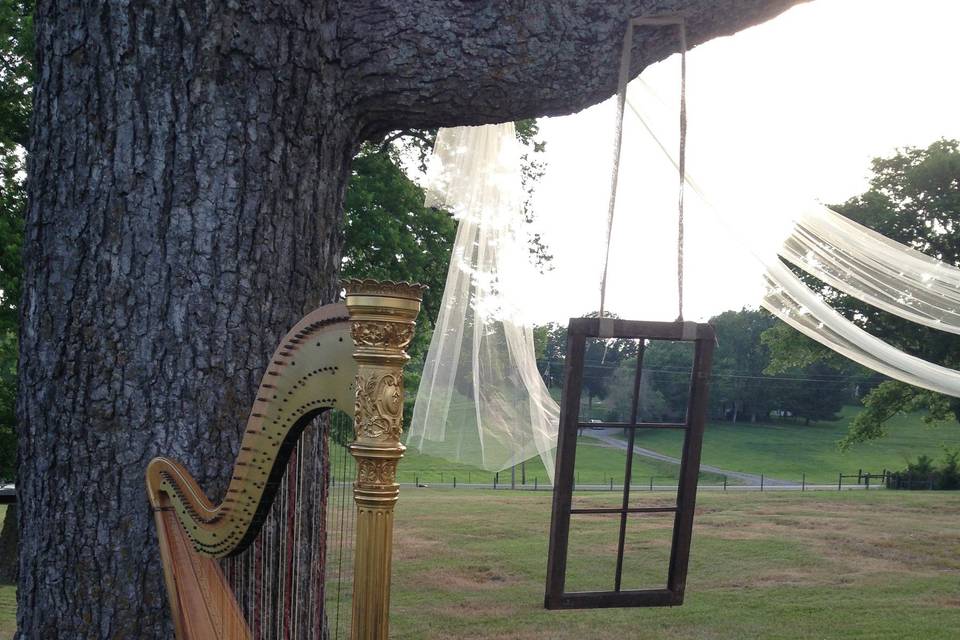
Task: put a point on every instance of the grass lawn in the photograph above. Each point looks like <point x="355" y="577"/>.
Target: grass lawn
<point x="772" y="566"/>
<point x="786" y="451"/>
<point x="8" y="611"/>
<point x="596" y="464"/>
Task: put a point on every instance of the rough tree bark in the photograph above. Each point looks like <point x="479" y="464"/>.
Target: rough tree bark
<point x="187" y="172"/>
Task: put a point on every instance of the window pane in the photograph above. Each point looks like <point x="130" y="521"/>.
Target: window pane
<point x="665" y="382"/>
<point x="608" y="373"/>
<point x="646" y="551"/>
<point x="592" y="554"/>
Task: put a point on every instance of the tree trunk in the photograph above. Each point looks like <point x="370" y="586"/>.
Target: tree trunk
<point x="187" y="171"/>
<point x="186" y="181"/>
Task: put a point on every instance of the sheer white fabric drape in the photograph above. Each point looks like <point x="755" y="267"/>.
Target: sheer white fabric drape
<point x="481" y="399"/>
<point x="875" y="269"/>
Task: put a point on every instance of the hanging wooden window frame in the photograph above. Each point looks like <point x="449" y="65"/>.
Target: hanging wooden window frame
<point x="578" y="332"/>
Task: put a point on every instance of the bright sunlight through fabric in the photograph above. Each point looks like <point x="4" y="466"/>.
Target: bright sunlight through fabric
<point x="481" y="399"/>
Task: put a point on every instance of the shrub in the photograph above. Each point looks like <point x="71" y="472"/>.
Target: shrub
<point x="950" y="470"/>
<point x="924" y="474"/>
<point x="922" y="467"/>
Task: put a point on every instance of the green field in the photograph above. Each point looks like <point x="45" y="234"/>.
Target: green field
<point x="8" y="611"/>
<point x="470" y="564"/>
<point x="8" y="600"/>
<point x="786" y="451"/>
<point x="773" y="566"/>
<point x="878" y="565"/>
<point x="783" y="451"/>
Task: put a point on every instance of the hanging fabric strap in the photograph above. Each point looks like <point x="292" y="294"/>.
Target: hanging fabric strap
<point x="683" y="164"/>
<point x="623" y="80"/>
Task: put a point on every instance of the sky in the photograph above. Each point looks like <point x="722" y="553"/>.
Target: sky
<point x="780" y="115"/>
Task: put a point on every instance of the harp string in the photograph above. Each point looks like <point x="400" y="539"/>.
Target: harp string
<point x="279" y="581"/>
<point x="340" y="528"/>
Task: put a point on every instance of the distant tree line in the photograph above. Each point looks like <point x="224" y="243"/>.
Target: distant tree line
<point x="747" y="384"/>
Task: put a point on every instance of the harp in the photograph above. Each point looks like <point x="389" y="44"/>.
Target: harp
<point x="346" y="356"/>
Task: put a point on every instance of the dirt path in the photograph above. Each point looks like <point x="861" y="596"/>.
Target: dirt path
<point x="607" y="439"/>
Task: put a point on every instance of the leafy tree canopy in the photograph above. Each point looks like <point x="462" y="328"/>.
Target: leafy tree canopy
<point x="16" y="81"/>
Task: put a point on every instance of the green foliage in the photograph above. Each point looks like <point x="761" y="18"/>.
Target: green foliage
<point x="925" y="474"/>
<point x="390" y="235"/>
<point x="743" y="387"/>
<point x="889" y="399"/>
<point x="950" y="469"/>
<point x="789" y="349"/>
<point x="923" y="466"/>
<point x="750" y="382"/>
<point x="16" y="82"/>
<point x="666" y="368"/>
<point x="553" y="337"/>
<point x="415" y="145"/>
<point x="16" y="73"/>
<point x="740" y="357"/>
<point x="601" y="359"/>
<point x="817" y="393"/>
<point x="914" y="198"/>
<point x="651" y="405"/>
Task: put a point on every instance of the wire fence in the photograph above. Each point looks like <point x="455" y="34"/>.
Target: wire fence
<point x="342" y="473"/>
<point x="507" y="481"/>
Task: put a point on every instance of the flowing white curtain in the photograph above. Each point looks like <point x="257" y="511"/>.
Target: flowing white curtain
<point x="875" y="269"/>
<point x="481" y="399"/>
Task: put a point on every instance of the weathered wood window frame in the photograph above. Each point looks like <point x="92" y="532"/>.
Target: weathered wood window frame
<point x="578" y="332"/>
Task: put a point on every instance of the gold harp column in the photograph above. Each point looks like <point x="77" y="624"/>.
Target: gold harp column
<point x="382" y="316"/>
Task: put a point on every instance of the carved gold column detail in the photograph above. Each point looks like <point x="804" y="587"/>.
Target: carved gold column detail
<point x="382" y="316"/>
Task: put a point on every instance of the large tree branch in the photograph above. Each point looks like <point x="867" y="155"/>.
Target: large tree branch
<point x="423" y="63"/>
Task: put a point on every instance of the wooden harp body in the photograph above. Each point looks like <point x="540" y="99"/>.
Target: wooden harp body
<point x="316" y="368"/>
